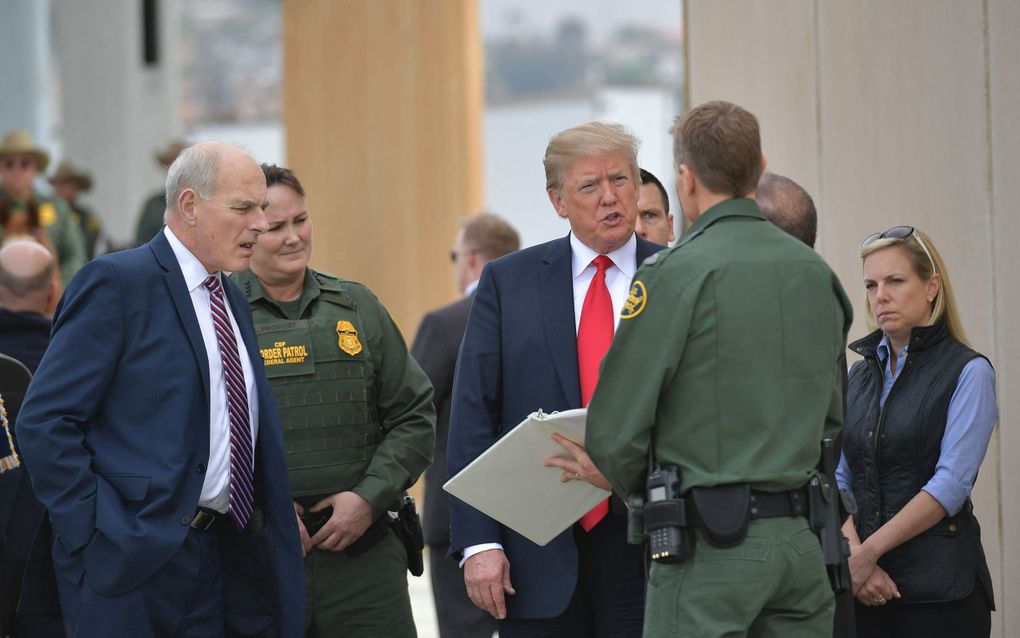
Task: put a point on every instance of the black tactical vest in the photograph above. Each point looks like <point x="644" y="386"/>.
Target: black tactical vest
<point x="893" y="452"/>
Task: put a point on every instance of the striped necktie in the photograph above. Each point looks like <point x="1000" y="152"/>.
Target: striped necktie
<point x="241" y="464"/>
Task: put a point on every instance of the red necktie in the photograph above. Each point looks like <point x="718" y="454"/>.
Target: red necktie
<point x="241" y="492"/>
<point x="594" y="334"/>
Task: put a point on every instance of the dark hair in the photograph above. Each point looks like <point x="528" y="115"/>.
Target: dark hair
<point x="7" y="208"/>
<point x="490" y="235"/>
<point x="278" y="175"/>
<point x="788" y="206"/>
<point x="648" y="178"/>
<point x="721" y="143"/>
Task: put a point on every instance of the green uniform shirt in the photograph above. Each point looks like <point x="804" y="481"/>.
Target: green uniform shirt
<point x="150" y="220"/>
<point x="339" y="334"/>
<point x="729" y="356"/>
<point x="55" y="216"/>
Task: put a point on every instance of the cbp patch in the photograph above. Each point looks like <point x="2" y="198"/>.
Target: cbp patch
<point x="636" y="300"/>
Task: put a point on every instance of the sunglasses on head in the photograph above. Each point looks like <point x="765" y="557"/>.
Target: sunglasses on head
<point x="18" y="162"/>
<point x="901" y="232"/>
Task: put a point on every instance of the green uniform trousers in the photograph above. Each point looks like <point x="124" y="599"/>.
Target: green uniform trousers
<point x="774" y="584"/>
<point x="359" y="597"/>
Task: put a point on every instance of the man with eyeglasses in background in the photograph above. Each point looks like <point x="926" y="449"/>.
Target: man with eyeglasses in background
<point x="481" y="239"/>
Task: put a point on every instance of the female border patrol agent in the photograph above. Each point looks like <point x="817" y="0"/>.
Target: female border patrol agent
<point x="357" y="416"/>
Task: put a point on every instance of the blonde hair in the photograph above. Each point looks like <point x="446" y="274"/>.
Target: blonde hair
<point x="587" y="140"/>
<point x="945" y="303"/>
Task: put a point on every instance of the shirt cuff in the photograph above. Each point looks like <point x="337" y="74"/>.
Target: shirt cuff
<point x="478" y="549"/>
<point x="949" y="492"/>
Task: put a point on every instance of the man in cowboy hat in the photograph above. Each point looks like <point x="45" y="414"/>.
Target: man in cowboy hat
<point x="23" y="211"/>
<point x="150" y="220"/>
<point x="69" y="182"/>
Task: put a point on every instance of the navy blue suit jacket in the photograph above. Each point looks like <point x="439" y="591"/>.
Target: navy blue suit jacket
<point x="519" y="354"/>
<point x="115" y="428"/>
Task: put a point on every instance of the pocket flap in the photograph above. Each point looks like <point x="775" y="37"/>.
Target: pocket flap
<point x="131" y="487"/>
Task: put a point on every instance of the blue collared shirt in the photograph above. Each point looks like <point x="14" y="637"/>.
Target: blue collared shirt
<point x="972" y="414"/>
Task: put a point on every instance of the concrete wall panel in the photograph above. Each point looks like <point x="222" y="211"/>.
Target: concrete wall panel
<point x="1004" y="143"/>
<point x="382" y="106"/>
<point x="910" y="110"/>
<point x="767" y="49"/>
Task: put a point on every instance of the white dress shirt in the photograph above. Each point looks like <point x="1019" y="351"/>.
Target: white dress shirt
<point x="618" y="276"/>
<point x="216" y="487"/>
<point x="618" y="280"/>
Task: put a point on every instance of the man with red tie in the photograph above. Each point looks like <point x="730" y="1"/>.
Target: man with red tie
<point x="541" y="322"/>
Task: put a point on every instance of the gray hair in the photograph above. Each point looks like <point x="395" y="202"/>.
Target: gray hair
<point x="195" y="168"/>
<point x="587" y="140"/>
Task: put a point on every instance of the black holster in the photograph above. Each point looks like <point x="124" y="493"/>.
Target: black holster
<point x="406" y="524"/>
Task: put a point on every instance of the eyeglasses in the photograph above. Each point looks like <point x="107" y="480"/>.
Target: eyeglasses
<point x="11" y="163"/>
<point x="901" y="232"/>
<point x="454" y="254"/>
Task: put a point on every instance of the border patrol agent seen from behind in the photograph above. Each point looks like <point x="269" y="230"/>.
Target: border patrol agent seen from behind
<point x="737" y="397"/>
<point x="358" y="422"/>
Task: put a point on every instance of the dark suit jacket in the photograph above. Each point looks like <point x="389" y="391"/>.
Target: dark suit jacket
<point x="24" y="336"/>
<point x="519" y="354"/>
<point x="115" y="429"/>
<point x="435" y="348"/>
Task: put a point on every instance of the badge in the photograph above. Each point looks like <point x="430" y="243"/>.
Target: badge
<point x="636" y="299"/>
<point x="47" y="214"/>
<point x="348" y="337"/>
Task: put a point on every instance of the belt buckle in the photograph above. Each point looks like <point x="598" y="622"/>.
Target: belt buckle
<point x="203" y="520"/>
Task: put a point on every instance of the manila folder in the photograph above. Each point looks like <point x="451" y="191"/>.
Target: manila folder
<point x="510" y="483"/>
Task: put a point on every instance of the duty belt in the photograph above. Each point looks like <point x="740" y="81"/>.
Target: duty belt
<point x="763" y="505"/>
<point x="778" y="504"/>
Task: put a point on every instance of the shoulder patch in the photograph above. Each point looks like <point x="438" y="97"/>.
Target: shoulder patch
<point x="636" y="300"/>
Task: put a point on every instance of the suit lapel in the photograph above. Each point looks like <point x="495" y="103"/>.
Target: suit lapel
<point x="556" y="290"/>
<point x="182" y="301"/>
<point x="646" y="249"/>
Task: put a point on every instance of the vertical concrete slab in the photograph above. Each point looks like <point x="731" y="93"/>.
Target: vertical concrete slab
<point x="116" y="111"/>
<point x="383" y="106"/>
<point x="1003" y="92"/>
<point x="762" y="56"/>
<point x="913" y="113"/>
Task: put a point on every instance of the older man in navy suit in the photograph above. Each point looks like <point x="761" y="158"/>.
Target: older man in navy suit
<point x="151" y="435"/>
<point x="541" y="322"/>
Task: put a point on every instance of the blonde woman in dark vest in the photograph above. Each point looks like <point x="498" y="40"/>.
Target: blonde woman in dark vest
<point x="920" y="411"/>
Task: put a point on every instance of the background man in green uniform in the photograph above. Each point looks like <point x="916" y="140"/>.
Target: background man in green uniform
<point x="150" y="219"/>
<point x="745" y="385"/>
<point x="357" y="417"/>
<point x="23" y="210"/>
<point x="68" y="183"/>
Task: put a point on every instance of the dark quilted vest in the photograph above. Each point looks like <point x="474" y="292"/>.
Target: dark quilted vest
<point x="893" y="453"/>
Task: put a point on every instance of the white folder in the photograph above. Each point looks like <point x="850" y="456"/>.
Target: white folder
<point x="510" y="483"/>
